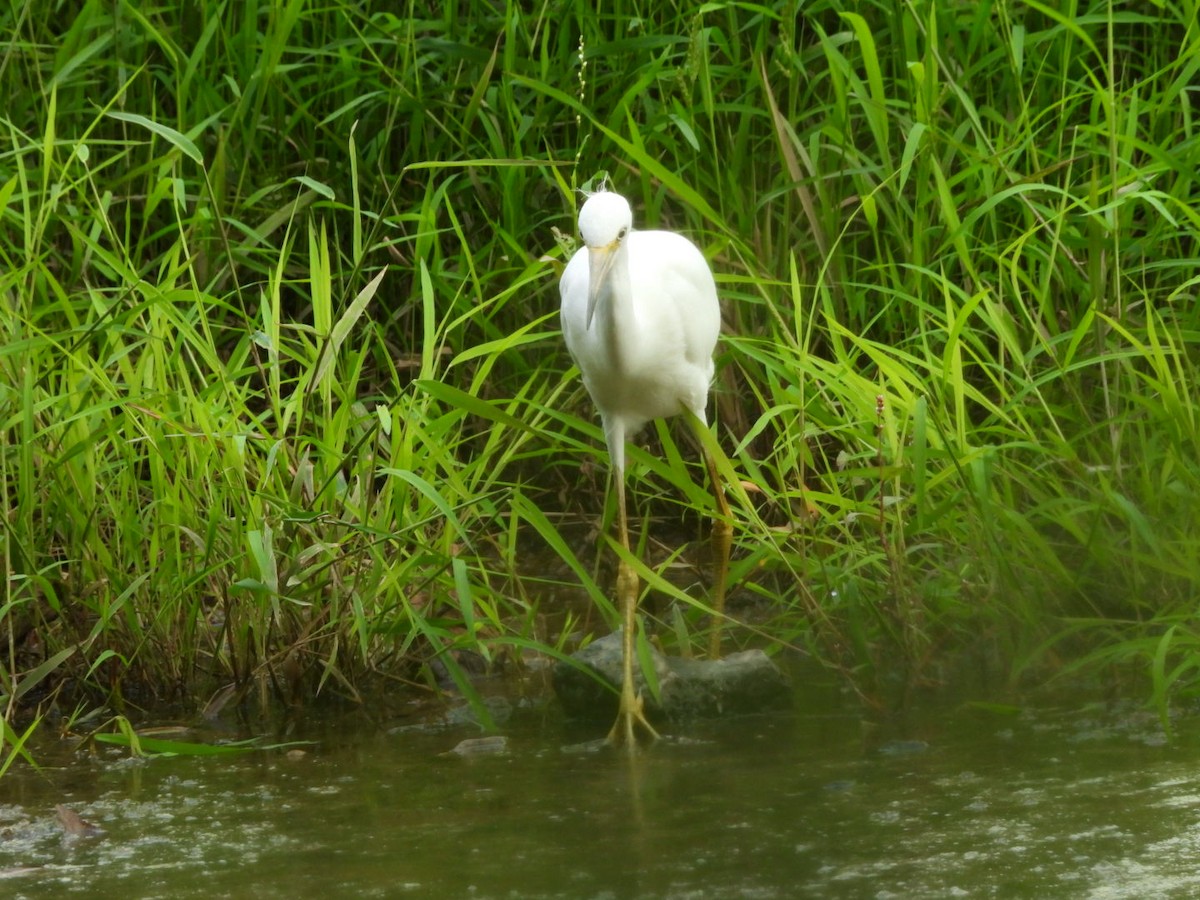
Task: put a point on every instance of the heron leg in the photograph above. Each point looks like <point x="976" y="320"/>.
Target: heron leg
<point x="722" y="540"/>
<point x="629" y="713"/>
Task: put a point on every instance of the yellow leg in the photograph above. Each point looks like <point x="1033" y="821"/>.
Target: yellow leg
<point x="629" y="714"/>
<point x="722" y="539"/>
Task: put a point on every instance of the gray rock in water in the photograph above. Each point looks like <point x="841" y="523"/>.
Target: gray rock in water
<point x="741" y="683"/>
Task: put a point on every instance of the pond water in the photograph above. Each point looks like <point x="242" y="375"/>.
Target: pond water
<point x="1074" y="800"/>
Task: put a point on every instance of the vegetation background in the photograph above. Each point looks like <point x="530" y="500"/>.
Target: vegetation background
<point x="285" y="409"/>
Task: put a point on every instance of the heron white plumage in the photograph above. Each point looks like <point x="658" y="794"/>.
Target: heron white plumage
<point x="641" y="319"/>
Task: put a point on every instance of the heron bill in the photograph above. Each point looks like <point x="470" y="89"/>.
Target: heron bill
<point x="600" y="263"/>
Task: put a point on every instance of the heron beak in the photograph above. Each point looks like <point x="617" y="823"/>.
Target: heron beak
<point x="600" y="263"/>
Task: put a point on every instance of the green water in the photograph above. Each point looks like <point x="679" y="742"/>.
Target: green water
<point x="1071" y="801"/>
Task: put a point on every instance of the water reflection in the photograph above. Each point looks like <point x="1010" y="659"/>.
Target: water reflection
<point x="1058" y="803"/>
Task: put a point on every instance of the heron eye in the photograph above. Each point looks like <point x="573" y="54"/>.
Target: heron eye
<point x="621" y="234"/>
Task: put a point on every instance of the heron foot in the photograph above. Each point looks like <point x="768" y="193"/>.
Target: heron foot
<point x="630" y="718"/>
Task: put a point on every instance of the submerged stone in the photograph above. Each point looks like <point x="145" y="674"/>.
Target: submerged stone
<point x="738" y="684"/>
<point x="494" y="745"/>
<point x="74" y="825"/>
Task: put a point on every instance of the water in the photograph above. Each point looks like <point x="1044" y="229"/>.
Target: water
<point x="1072" y="801"/>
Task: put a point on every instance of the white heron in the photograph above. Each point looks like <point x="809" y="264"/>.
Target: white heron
<point x="641" y="319"/>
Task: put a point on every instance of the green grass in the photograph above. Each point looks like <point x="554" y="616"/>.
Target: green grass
<point x="285" y="411"/>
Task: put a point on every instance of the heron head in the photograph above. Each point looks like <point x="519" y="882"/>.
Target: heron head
<point x="604" y="221"/>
